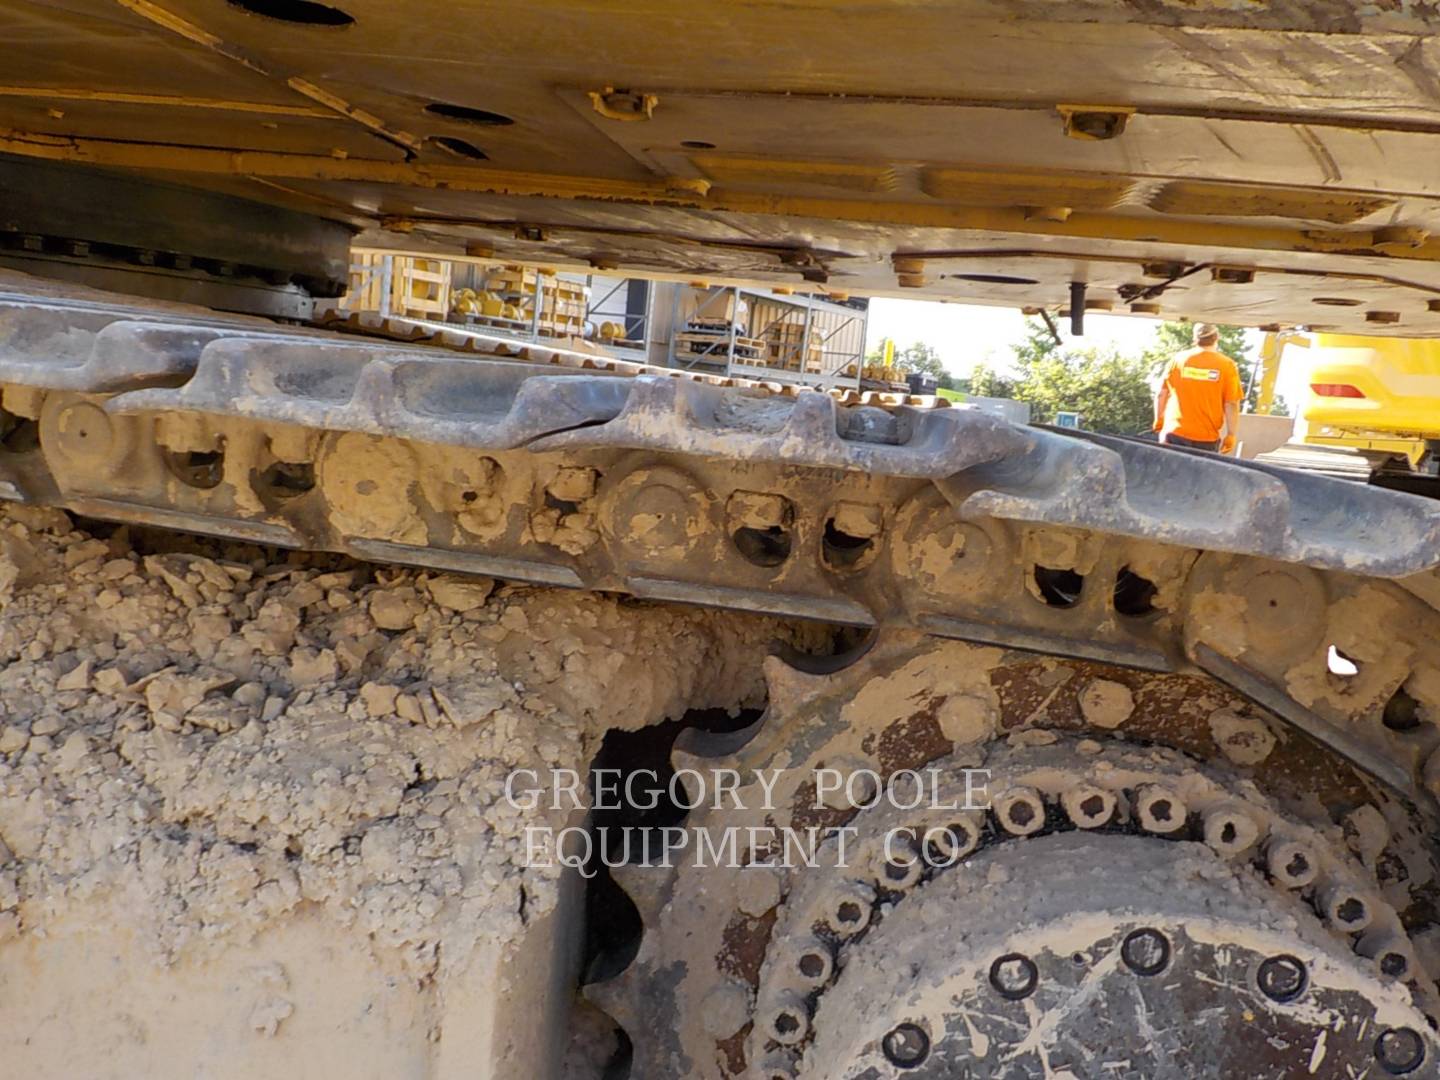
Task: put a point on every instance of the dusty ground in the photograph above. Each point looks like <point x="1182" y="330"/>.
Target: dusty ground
<point x="279" y="779"/>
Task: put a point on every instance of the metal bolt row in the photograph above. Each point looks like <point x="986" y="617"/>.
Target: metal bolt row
<point x="1230" y="829"/>
<point x="1147" y="952"/>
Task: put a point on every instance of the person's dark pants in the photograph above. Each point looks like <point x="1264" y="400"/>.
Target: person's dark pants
<point x="1194" y="444"/>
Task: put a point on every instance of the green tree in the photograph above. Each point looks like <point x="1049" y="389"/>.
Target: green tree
<point x="925" y="358"/>
<point x="1110" y="391"/>
<point x="987" y="382"/>
<point x="921" y="357"/>
<point x="1113" y="392"/>
<point x="1039" y="343"/>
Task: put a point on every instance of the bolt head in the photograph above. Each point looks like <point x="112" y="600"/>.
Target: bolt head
<point x="906" y="1046"/>
<point x="1146" y="951"/>
<point x="1014" y="976"/>
<point x="1282" y="978"/>
<point x="1400" y="1051"/>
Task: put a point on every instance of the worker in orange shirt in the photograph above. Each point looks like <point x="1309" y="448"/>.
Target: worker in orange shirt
<point x="1199" y="395"/>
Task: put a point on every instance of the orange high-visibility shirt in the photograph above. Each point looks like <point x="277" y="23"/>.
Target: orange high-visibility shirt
<point x="1202" y="382"/>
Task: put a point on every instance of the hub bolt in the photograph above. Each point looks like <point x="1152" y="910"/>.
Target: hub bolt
<point x="1282" y="978"/>
<point x="1399" y="1050"/>
<point x="1293" y="865"/>
<point x="789" y="1020"/>
<point x="1014" y="976"/>
<point x="1146" y="951"/>
<point x="1160" y="810"/>
<point x="1021" y="811"/>
<point x="906" y="1046"/>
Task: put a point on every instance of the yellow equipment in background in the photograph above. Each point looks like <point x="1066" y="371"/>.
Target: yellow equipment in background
<point x="1371" y="409"/>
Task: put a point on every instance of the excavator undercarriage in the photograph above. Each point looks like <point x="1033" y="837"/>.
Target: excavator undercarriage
<point x="1139" y="643"/>
<point x="1050" y="754"/>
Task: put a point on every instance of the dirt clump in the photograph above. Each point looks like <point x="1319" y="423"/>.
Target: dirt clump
<point x="223" y="735"/>
<point x="1106" y="704"/>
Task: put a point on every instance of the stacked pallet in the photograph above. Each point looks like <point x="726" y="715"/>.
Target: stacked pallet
<point x="562" y="303"/>
<point x="784" y="342"/>
<point x="882" y="377"/>
<point x="714" y="345"/>
<point x="417" y="288"/>
<point x="565" y="305"/>
<point x="709" y="337"/>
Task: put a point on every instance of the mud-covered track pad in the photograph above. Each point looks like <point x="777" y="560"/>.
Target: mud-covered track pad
<point x="983" y="465"/>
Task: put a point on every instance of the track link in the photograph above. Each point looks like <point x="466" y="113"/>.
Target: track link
<point x="550" y="467"/>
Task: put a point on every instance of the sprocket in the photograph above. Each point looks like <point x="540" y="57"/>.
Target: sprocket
<point x="1118" y="910"/>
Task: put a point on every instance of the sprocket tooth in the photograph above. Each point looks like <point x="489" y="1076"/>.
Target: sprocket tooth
<point x="647" y="886"/>
<point x="615" y="998"/>
<point x="684" y="759"/>
<point x="789" y="687"/>
<point x="702" y="744"/>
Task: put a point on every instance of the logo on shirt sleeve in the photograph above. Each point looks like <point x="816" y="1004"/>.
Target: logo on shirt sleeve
<point x="1201" y="373"/>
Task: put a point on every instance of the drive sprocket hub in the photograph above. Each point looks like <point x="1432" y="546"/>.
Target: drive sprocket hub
<point x="1116" y="910"/>
<point x="1082" y="955"/>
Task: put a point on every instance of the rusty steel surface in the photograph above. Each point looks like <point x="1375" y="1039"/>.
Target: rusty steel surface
<point x="1249" y="164"/>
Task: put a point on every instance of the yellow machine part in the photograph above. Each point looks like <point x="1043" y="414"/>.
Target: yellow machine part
<point x="1376" y="394"/>
<point x="1160" y="155"/>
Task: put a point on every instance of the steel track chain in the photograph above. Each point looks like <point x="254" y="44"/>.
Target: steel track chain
<point x="543" y="465"/>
